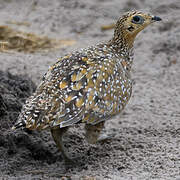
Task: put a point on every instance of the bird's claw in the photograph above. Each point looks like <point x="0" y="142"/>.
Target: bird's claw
<point x="105" y="137"/>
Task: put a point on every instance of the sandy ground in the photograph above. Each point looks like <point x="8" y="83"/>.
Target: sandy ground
<point x="147" y="141"/>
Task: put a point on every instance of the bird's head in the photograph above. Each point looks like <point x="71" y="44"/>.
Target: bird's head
<point x="130" y="24"/>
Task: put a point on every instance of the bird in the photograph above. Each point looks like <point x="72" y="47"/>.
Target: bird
<point x="89" y="86"/>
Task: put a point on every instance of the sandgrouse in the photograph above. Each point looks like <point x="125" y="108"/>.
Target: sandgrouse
<point x="88" y="86"/>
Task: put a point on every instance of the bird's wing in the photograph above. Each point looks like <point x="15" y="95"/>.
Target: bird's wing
<point x="58" y="97"/>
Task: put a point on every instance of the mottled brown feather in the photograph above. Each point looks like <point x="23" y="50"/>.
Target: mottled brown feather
<point x="89" y="86"/>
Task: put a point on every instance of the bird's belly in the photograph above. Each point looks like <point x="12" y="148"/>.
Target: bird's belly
<point x="118" y="97"/>
<point x="110" y="100"/>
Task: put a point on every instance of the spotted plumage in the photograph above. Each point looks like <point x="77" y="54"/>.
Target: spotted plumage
<point x="88" y="86"/>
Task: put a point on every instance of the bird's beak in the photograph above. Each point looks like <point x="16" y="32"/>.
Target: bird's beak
<point x="156" y="18"/>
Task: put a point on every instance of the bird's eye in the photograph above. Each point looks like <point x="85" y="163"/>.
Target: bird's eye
<point x="137" y="20"/>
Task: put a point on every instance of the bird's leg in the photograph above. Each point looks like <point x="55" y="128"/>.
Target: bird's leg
<point x="57" y="135"/>
<point x="93" y="133"/>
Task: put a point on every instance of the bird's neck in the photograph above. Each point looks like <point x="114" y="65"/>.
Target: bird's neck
<point x="123" y="47"/>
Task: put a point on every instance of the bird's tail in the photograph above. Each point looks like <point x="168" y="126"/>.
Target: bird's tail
<point x="18" y="125"/>
<point x="22" y="118"/>
<point x="32" y="112"/>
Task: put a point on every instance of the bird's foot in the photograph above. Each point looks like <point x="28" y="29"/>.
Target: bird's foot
<point x="105" y="137"/>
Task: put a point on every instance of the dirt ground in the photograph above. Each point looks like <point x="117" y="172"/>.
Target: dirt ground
<point x="147" y="134"/>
